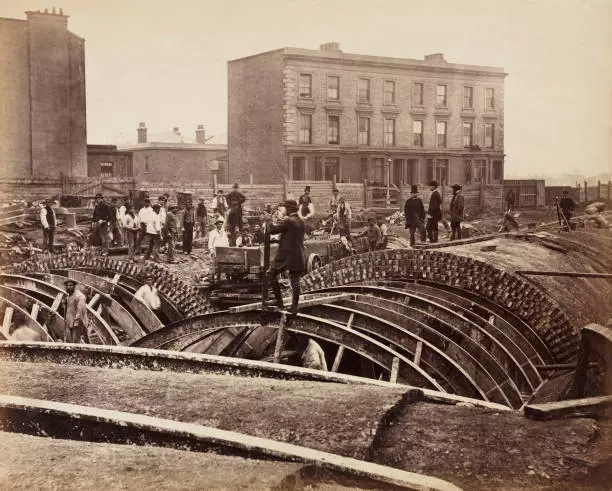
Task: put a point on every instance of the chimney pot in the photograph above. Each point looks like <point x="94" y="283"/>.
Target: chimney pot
<point x="142" y="132"/>
<point x="200" y="134"/>
<point x="439" y="57"/>
<point x="330" y="47"/>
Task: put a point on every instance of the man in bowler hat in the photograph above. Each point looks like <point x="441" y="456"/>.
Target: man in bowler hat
<point x="456" y="212"/>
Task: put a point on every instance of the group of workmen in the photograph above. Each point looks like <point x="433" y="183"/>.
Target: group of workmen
<point x="155" y="224"/>
<point x="427" y="223"/>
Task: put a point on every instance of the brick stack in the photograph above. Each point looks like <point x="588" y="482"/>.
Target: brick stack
<point x="508" y="290"/>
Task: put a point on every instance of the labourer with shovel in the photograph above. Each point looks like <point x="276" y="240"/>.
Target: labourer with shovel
<point x="76" y="314"/>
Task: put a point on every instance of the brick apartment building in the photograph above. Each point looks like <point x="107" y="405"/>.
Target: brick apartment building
<point x="318" y="115"/>
<point x="171" y="157"/>
<point x="42" y="98"/>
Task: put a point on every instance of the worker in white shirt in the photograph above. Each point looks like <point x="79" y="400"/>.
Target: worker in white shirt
<point x="154" y="231"/>
<point x="48" y="221"/>
<point x="144" y="214"/>
<point x="217" y="238"/>
<point x="384" y="230"/>
<point x="131" y="226"/>
<point x="147" y="294"/>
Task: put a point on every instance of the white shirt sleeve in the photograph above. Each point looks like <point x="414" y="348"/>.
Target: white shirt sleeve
<point x="43" y="218"/>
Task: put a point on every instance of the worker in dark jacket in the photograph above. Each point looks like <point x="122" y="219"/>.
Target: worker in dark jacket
<point x="414" y="212"/>
<point x="101" y="221"/>
<point x="290" y="255"/>
<point x="567" y="206"/>
<point x="235" y="199"/>
<point x="434" y="212"/>
<point x="456" y="212"/>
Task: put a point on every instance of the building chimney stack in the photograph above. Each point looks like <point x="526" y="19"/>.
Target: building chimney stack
<point x="176" y="131"/>
<point x="200" y="134"/>
<point x="435" y="57"/>
<point x="330" y="47"/>
<point x="142" y="132"/>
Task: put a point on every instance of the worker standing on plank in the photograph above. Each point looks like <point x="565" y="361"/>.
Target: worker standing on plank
<point x="290" y="255"/>
<point x="384" y="230"/>
<point x="235" y="200"/>
<point x="145" y="214"/>
<point x="76" y="314"/>
<point x="373" y="234"/>
<point x="48" y="221"/>
<point x="414" y="214"/>
<point x="434" y="213"/>
<point x="201" y="215"/>
<point x="567" y="206"/>
<point x="101" y="220"/>
<point x="456" y="212"/>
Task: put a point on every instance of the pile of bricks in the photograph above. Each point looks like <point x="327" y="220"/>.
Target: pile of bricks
<point x="186" y="298"/>
<point x="508" y="290"/>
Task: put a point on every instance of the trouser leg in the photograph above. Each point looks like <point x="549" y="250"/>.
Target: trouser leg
<point x="170" y="247"/>
<point x="151" y="238"/>
<point x="294" y="278"/>
<point x="412" y="230"/>
<point x="187" y="237"/>
<point x="103" y="230"/>
<point x="156" y="244"/>
<point x="273" y="275"/>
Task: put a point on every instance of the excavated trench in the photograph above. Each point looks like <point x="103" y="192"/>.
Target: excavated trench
<point x="458" y="324"/>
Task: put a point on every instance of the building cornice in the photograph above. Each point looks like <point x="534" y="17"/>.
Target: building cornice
<point x="392" y="63"/>
<point x="343" y="149"/>
<point x="171" y="146"/>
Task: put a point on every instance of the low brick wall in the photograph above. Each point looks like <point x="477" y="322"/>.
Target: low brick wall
<point x="475" y="196"/>
<point x="29" y="189"/>
<point x="510" y="291"/>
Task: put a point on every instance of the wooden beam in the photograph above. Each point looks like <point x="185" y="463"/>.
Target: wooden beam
<point x="417" y="353"/>
<point x="94" y="300"/>
<point x="116" y="279"/>
<point x="35" y="310"/>
<point x="570" y="408"/>
<point x="570" y="274"/>
<point x="338" y="358"/>
<point x="492" y="320"/>
<point x="57" y="302"/>
<point x="279" y="338"/>
<point x="6" y="322"/>
<point x="394" y="370"/>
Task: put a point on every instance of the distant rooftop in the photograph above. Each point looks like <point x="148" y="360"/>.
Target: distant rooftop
<point x="332" y="52"/>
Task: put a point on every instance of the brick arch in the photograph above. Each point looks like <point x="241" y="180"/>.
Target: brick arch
<point x="186" y="298"/>
<point x="526" y="301"/>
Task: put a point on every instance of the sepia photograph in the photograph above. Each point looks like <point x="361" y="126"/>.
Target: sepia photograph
<point x="306" y="245"/>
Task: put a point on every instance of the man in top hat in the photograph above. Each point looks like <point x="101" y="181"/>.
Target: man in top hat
<point x="434" y="212"/>
<point x="75" y="325"/>
<point x="456" y="212"/>
<point x="48" y="222"/>
<point x="304" y="201"/>
<point x="290" y="255"/>
<point x="235" y="199"/>
<point x="101" y="220"/>
<point x="217" y="237"/>
<point x="414" y="213"/>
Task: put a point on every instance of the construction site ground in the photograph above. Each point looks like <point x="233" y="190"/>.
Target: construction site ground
<point x="475" y="448"/>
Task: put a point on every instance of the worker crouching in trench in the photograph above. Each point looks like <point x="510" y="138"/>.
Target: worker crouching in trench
<point x="290" y="255"/>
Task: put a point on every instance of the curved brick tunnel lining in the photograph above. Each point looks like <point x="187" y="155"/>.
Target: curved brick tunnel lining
<point x="185" y="297"/>
<point x="511" y="291"/>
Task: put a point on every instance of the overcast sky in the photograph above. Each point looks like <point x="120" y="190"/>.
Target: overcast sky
<point x="165" y="62"/>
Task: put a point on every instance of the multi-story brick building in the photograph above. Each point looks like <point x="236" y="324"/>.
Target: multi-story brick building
<point x="42" y="98"/>
<point x="319" y="115"/>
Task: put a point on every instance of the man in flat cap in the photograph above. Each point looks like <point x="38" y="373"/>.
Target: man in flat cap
<point x="414" y="213"/>
<point x="456" y="212"/>
<point x="75" y="326"/>
<point x="290" y="255"/>
<point x="434" y="212"/>
<point x="101" y="221"/>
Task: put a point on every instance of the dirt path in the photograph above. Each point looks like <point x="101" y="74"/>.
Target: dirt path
<point x="335" y="418"/>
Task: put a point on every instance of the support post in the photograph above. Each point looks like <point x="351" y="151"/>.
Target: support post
<point x="279" y="338"/>
<point x="6" y="322"/>
<point x="35" y="310"/>
<point x="394" y="370"/>
<point x="338" y="358"/>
